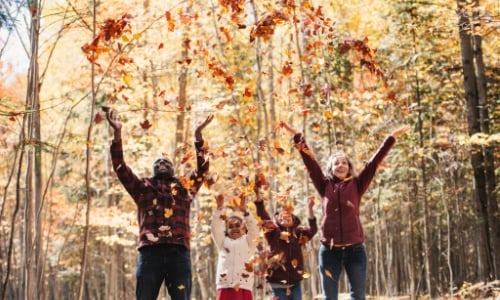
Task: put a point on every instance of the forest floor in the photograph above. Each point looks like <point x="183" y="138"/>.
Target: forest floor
<point x="489" y="291"/>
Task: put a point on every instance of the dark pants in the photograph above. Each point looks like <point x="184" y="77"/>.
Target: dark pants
<point x="353" y="260"/>
<point x="159" y="263"/>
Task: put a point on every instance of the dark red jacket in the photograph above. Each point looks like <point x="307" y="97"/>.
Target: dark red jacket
<point x="163" y="205"/>
<point x="289" y="268"/>
<point x="341" y="199"/>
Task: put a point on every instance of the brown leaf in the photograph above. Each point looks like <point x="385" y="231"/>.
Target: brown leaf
<point x="146" y="125"/>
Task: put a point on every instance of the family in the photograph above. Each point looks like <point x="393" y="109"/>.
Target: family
<point x="164" y="202"/>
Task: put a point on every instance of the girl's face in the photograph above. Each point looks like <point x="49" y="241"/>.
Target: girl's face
<point x="234" y="228"/>
<point x="285" y="219"/>
<point x="340" y="167"/>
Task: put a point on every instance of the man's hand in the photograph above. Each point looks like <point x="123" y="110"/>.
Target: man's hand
<point x="112" y="120"/>
<point x="199" y="127"/>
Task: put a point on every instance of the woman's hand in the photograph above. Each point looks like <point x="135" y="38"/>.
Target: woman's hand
<point x="283" y="124"/>
<point x="400" y="131"/>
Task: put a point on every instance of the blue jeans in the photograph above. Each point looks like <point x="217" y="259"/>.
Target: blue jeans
<point x="280" y="293"/>
<point x="163" y="263"/>
<point x="353" y="260"/>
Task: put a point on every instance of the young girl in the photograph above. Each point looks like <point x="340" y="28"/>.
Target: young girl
<point x="285" y="238"/>
<point x="235" y="238"/>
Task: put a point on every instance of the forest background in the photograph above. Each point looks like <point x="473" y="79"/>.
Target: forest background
<point x="346" y="73"/>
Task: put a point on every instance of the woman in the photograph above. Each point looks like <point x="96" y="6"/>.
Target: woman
<point x="342" y="239"/>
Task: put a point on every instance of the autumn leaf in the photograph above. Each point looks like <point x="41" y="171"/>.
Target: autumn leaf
<point x="145" y="125"/>
<point x="247" y="92"/>
<point x="98" y="118"/>
<point x="249" y="267"/>
<point x="287" y="69"/>
<point x="264" y="28"/>
<point x="220" y="105"/>
<point x="168" y="213"/>
<point x="170" y="21"/>
<point x="187" y="157"/>
<point x="328" y="274"/>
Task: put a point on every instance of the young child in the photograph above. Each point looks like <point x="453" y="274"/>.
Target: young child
<point x="235" y="238"/>
<point x="285" y="237"/>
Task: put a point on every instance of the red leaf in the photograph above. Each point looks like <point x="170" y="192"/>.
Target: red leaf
<point x="98" y="118"/>
<point x="146" y="125"/>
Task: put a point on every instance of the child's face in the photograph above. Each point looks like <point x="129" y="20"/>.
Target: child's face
<point x="285" y="219"/>
<point x="234" y="228"/>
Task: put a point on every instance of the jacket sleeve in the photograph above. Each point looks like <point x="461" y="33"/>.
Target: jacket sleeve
<point x="261" y="210"/>
<point x="202" y="167"/>
<point x="312" y="229"/>
<point x="366" y="175"/>
<point x="253" y="230"/>
<point x="218" y="229"/>
<point x="127" y="177"/>
<point x="312" y="165"/>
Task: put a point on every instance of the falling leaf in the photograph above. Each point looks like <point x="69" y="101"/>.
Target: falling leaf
<point x="155" y="201"/>
<point x="127" y="78"/>
<point x="181" y="287"/>
<point x="146" y="125"/>
<point x="220" y="105"/>
<point x="168" y="212"/>
<point x="247" y="92"/>
<point x="249" y="266"/>
<point x="287" y="69"/>
<point x="98" y="118"/>
<point x="328" y="115"/>
<point x="328" y="274"/>
<point x="187" y="157"/>
<point x="294" y="263"/>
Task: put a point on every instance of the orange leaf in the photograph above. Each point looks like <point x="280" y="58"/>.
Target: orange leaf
<point x="247" y="92"/>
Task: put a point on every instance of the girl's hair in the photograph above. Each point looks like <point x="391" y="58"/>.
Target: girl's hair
<point x="352" y="172"/>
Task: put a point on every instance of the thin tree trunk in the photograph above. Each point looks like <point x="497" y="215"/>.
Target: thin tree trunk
<point x="83" y="264"/>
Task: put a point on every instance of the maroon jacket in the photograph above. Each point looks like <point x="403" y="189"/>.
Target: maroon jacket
<point x="288" y="270"/>
<point x="163" y="205"/>
<point x="341" y="198"/>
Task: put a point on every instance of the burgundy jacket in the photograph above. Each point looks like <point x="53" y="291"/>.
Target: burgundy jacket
<point x="289" y="268"/>
<point x="163" y="205"/>
<point x="340" y="199"/>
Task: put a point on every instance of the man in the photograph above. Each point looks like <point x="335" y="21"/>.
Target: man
<point x="164" y="203"/>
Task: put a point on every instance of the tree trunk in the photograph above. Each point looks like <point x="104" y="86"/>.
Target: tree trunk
<point x="33" y="231"/>
<point x="474" y="89"/>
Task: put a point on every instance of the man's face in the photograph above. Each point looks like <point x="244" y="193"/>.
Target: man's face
<point x="163" y="168"/>
<point x="234" y="228"/>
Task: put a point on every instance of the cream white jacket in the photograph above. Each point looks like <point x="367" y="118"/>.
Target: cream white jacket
<point x="234" y="253"/>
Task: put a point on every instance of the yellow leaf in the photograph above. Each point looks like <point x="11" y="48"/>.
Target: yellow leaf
<point x="168" y="212"/>
<point x="127" y="78"/>
<point x="137" y="36"/>
<point x="125" y="38"/>
<point x="328" y="115"/>
<point x="155" y="201"/>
